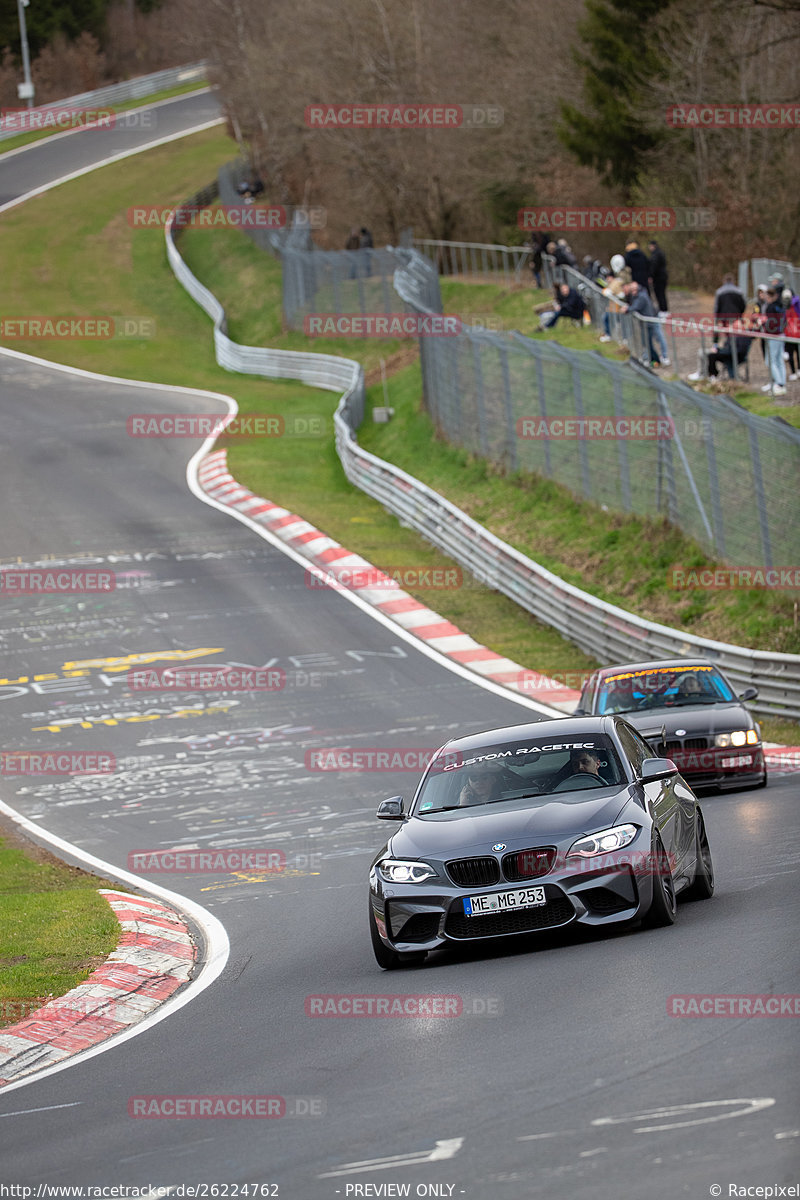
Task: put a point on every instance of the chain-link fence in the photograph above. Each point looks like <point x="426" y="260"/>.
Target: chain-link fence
<point x="611" y="432"/>
<point x="755" y="271"/>
<point x="619" y="436"/>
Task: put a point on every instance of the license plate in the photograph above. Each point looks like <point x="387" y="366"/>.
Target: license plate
<point x="741" y="760"/>
<point x="504" y="901"/>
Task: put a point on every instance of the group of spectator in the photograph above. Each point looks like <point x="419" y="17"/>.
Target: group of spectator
<point x="775" y="312"/>
<point x="627" y="286"/>
<point x="637" y="283"/>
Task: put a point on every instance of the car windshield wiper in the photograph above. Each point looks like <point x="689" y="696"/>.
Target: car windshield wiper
<point x="444" y="808"/>
<point x="525" y="796"/>
<point x="700" y="700"/>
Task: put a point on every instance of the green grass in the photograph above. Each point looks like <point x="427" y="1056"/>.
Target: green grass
<point x="54" y="929"/>
<point x="91" y="261"/>
<point x="25" y="139"/>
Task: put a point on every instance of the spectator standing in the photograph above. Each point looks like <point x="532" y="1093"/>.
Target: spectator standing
<point x="637" y="260"/>
<point x="537" y="245"/>
<point x="792" y="306"/>
<point x="659" y="276"/>
<point x="729" y="301"/>
<point x="614" y="292"/>
<point x="569" y="258"/>
<point x="640" y="302"/>
<point x="775" y="325"/>
<point x="757" y="318"/>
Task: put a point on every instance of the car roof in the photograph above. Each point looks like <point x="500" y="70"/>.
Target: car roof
<point x="558" y="728"/>
<point x="682" y="663"/>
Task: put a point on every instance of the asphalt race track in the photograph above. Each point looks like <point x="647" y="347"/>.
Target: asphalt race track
<point x="564" y="1075"/>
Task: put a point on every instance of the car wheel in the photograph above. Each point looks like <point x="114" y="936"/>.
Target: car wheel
<point x="664" y="904"/>
<point x="390" y="960"/>
<point x="702" y="887"/>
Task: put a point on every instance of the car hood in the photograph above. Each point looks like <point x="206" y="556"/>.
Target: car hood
<point x="545" y="821"/>
<point x="695" y="720"/>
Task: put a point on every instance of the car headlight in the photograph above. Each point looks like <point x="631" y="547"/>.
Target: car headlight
<point x="398" y="870"/>
<point x="738" y="737"/>
<point x="604" y="842"/>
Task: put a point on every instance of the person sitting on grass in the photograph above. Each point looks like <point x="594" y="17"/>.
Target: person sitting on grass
<point x="570" y="304"/>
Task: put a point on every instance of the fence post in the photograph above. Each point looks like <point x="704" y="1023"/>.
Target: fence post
<point x="624" y="466"/>
<point x="761" y="504"/>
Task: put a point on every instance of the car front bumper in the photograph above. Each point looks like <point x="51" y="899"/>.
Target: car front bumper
<point x="415" y="918"/>
<point x="721" y="767"/>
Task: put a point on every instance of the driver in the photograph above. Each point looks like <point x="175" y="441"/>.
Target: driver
<point x="585" y="762"/>
<point x="689" y="686"/>
<point x="483" y="783"/>
<point x="486" y="781"/>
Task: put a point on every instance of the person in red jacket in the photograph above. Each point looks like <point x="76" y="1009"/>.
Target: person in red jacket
<point x="792" y="330"/>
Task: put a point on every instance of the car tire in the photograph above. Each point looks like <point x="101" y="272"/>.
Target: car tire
<point x="390" y="960"/>
<point x="702" y="887"/>
<point x="664" y="906"/>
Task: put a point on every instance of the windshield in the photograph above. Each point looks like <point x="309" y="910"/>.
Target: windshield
<point x="662" y="687"/>
<point x="514" y="770"/>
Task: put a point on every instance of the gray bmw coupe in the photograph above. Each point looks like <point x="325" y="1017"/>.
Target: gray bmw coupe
<point x="533" y="827"/>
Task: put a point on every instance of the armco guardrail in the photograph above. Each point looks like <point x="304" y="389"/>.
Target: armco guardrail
<point x="119" y="93"/>
<point x="607" y="633"/>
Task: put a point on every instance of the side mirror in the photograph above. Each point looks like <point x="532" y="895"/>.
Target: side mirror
<point x="580" y="712"/>
<point x="749" y="694"/>
<point x="657" y="768"/>
<point x="392" y="809"/>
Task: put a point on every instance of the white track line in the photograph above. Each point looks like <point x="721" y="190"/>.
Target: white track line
<point x="216" y="956"/>
<point x="127" y="112"/>
<point x="106" y="162"/>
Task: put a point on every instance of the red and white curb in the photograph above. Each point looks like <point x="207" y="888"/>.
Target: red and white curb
<point x="329" y="559"/>
<point x="154" y="957"/>
<point x="781" y="760"/>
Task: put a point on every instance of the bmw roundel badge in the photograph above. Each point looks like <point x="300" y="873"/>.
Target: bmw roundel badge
<point x="680" y="732"/>
<point x="499" y="846"/>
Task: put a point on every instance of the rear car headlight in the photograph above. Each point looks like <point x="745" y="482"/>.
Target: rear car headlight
<point x="398" y="870"/>
<point x="604" y="842"/>
<point x="738" y="737"/>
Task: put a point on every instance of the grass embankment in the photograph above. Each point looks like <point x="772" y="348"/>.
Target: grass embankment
<point x="91" y="261"/>
<point x="54" y="927"/>
<point x="25" y="139"/>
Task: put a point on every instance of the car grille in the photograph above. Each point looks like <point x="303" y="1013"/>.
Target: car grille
<point x="474" y="872"/>
<point x="693" y="743"/>
<point x="422" y="927"/>
<point x="557" y="911"/>
<point x="529" y="864"/>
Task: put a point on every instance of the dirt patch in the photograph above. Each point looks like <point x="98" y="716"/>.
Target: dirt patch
<point x="397" y="361"/>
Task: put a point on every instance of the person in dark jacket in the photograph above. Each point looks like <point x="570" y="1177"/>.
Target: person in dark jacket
<point x="658" y="275"/>
<point x="638" y="262"/>
<point x="775" y="326"/>
<point x="729" y="301"/>
<point x="640" y="302"/>
<point x="570" y="304"/>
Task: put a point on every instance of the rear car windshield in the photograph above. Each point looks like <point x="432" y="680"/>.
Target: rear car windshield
<point x="662" y="687"/>
<point x="513" y="770"/>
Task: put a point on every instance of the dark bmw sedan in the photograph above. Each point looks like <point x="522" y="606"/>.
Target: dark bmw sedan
<point x="534" y="827"/>
<point x="707" y="730"/>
